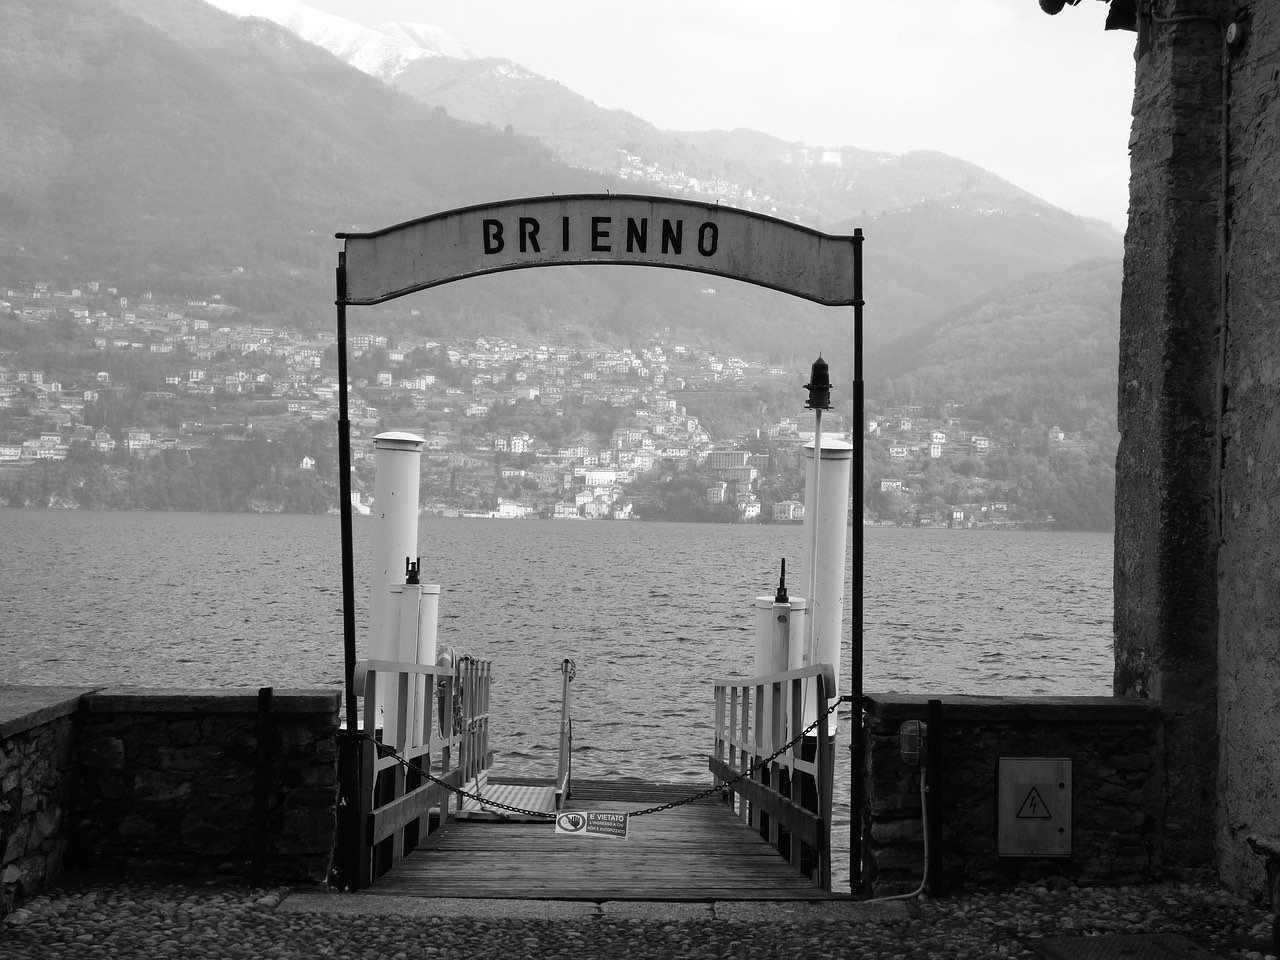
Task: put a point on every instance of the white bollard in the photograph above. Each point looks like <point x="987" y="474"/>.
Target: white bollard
<point x="428" y="612"/>
<point x="828" y="522"/>
<point x="797" y="654"/>
<point x="399" y="702"/>
<point x="773" y="629"/>
<point x="397" y="461"/>
<point x="779" y="635"/>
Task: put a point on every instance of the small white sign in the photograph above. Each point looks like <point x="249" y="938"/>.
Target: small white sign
<point x="592" y="823"/>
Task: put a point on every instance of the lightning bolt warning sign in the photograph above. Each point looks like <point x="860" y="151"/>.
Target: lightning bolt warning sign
<point x="1034" y="807"/>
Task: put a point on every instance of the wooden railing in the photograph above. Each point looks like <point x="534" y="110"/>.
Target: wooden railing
<point x="788" y="799"/>
<point x="440" y="725"/>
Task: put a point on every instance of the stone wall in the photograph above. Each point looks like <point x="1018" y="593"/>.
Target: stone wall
<point x="1166" y="610"/>
<point x="1197" y="614"/>
<point x="166" y="783"/>
<point x="1118" y="794"/>
<point x="37" y="734"/>
<point x="1248" y="568"/>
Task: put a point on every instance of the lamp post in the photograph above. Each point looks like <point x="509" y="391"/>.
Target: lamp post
<point x="819" y="387"/>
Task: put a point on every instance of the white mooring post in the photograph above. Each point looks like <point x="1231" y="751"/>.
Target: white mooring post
<point x="412" y="622"/>
<point x="780" y="632"/>
<point x="397" y="461"/>
<point x="826" y="537"/>
<point x="428" y="615"/>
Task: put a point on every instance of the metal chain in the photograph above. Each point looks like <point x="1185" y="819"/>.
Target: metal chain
<point x="542" y="814"/>
<point x="717" y="788"/>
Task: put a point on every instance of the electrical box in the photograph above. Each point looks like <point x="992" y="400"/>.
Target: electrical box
<point x="1034" y="807"/>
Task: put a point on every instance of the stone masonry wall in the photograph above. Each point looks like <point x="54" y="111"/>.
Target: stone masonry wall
<point x="37" y="733"/>
<point x="1249" y="554"/>
<point x="166" y="783"/>
<point x="1118" y="793"/>
<point x="1166" y="573"/>
<point x="1197" y="615"/>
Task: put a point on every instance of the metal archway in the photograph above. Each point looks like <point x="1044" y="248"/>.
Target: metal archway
<point x="581" y="230"/>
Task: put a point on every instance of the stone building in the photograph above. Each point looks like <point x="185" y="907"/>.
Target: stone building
<point x="1197" y="559"/>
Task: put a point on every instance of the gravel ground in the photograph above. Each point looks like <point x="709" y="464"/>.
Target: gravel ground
<point x="93" y="919"/>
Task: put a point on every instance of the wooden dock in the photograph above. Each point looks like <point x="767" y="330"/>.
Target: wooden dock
<point x="695" y="852"/>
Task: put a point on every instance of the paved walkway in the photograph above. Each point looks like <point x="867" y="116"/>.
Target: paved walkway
<point x="93" y="919"/>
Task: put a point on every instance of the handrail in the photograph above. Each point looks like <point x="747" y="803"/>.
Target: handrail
<point x="825" y="670"/>
<point x="759" y="722"/>
<point x="365" y="667"/>
<point x="564" y="768"/>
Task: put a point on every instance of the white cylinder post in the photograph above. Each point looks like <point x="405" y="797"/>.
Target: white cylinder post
<point x="776" y="623"/>
<point x="764" y="636"/>
<point x="428" y="613"/>
<point x="396" y="697"/>
<point x="397" y="461"/>
<point x="824" y="578"/>
<point x="798" y="632"/>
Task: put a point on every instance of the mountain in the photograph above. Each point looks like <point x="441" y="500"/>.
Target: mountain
<point x="1042" y="351"/>
<point x="820" y="184"/>
<point x="381" y="53"/>
<point x="168" y="144"/>
<point x="165" y="143"/>
<point x="1031" y="372"/>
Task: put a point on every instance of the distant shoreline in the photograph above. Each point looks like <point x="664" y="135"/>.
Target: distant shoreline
<point x="1011" y="527"/>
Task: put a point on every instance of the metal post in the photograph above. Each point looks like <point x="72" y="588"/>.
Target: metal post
<point x="344" y="506"/>
<point x="933" y="775"/>
<point x="265" y="749"/>
<point x="347" y="856"/>
<point x="809" y="645"/>
<point x="855" y="655"/>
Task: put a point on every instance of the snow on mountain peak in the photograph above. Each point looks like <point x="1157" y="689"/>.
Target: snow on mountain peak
<point x="427" y="37"/>
<point x="381" y="53"/>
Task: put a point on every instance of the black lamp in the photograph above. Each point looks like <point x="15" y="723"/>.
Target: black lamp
<point x="819" y="386"/>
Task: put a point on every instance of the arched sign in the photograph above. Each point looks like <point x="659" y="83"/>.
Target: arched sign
<point x="606" y="228"/>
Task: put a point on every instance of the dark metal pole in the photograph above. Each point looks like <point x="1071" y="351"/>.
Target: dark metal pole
<point x="933" y="775"/>
<point x="855" y="656"/>
<point x="344" y="508"/>
<point x="265" y="745"/>
<point x="347" y="859"/>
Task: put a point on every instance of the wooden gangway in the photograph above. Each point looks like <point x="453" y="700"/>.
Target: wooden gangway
<point x="695" y="852"/>
<point x="433" y="823"/>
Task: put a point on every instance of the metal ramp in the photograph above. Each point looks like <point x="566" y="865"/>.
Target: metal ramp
<point x="539" y="800"/>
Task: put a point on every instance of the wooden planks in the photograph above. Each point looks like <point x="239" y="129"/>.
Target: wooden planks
<point x="698" y="852"/>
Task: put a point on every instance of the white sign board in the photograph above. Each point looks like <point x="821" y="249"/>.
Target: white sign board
<point x="592" y="823"/>
<point x="605" y="228"/>
<point x="1034" y="807"/>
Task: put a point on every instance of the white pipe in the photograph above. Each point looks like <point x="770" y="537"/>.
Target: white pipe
<point x="814" y="607"/>
<point x="924" y="830"/>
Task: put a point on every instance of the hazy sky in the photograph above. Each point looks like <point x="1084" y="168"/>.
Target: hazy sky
<point x="1042" y="101"/>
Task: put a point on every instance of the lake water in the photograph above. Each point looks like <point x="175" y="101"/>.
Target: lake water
<point x="650" y="613"/>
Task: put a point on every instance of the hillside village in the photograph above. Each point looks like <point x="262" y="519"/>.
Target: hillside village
<point x="512" y="430"/>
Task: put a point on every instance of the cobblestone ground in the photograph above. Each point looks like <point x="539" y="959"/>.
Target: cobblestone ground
<point x="123" y="922"/>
